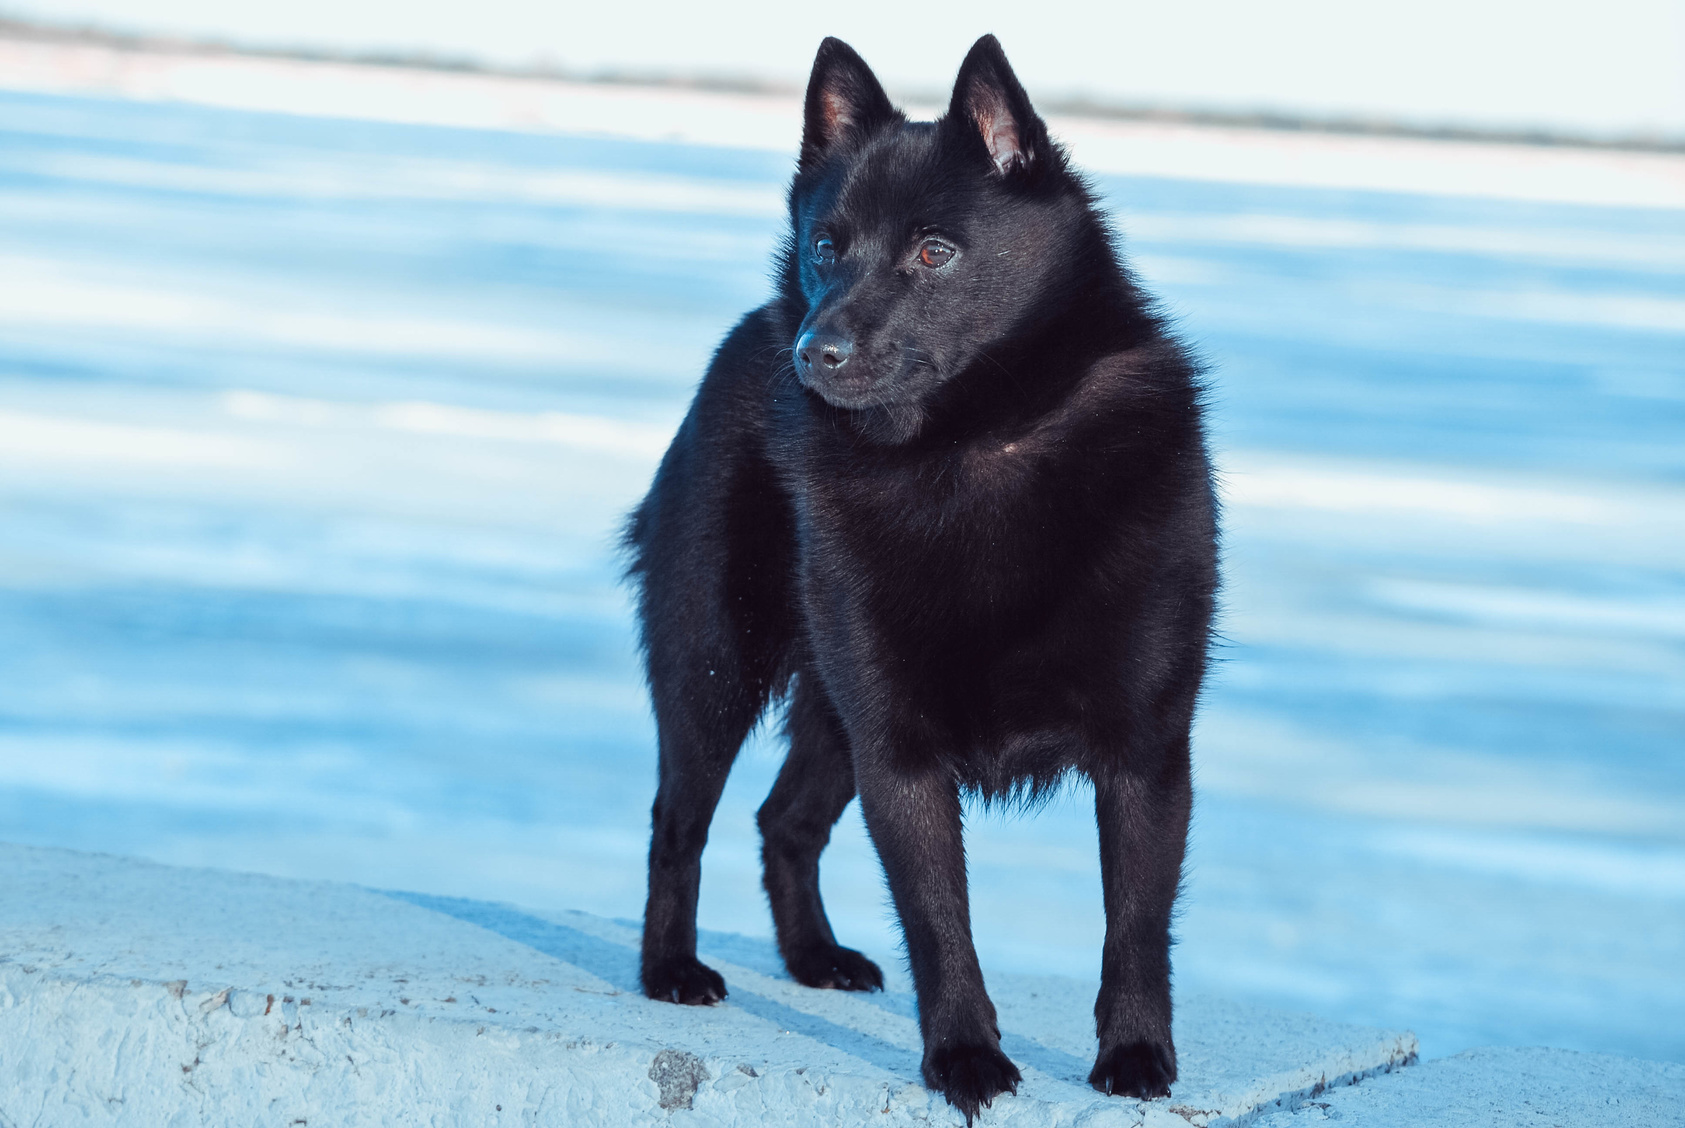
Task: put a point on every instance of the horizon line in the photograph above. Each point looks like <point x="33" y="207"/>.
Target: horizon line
<point x="726" y="83"/>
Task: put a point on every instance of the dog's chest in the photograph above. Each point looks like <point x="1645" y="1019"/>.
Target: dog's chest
<point x="945" y="568"/>
<point x="967" y="532"/>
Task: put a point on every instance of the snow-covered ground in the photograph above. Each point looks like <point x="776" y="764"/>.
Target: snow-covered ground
<point x="315" y="430"/>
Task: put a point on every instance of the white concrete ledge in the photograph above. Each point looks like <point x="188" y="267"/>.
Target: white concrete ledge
<point x="1505" y="1087"/>
<point x="135" y="993"/>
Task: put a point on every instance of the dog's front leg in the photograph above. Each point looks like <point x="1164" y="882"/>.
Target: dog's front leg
<point x="1143" y="833"/>
<point x="914" y="819"/>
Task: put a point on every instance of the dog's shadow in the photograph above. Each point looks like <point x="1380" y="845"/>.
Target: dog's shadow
<point x="617" y="965"/>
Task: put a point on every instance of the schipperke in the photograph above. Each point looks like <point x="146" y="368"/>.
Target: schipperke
<point x="949" y="492"/>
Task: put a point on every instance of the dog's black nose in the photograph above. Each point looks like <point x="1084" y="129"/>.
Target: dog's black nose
<point x="825" y="352"/>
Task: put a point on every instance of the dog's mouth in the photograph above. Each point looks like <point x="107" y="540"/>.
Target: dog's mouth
<point x="853" y="391"/>
<point x="858" y="386"/>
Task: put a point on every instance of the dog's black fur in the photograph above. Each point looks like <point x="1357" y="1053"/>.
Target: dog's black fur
<point x="949" y="490"/>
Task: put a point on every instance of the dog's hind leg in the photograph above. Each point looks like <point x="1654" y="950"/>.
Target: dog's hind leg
<point x="714" y="549"/>
<point x="702" y="719"/>
<point x="713" y="555"/>
<point x="1143" y="833"/>
<point x="814" y="787"/>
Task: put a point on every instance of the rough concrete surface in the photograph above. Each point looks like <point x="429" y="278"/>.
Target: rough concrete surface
<point x="1505" y="1087"/>
<point x="145" y="994"/>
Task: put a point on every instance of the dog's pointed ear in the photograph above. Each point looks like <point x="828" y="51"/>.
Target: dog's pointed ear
<point x="845" y="102"/>
<point x="990" y="104"/>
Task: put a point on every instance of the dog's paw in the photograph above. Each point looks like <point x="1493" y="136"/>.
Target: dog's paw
<point x="842" y="969"/>
<point x="683" y="979"/>
<point x="971" y="1076"/>
<point x="1136" y="1069"/>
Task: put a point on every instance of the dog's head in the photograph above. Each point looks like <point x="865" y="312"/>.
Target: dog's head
<point x="916" y="246"/>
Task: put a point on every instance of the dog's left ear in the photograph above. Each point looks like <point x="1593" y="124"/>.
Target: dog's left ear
<point x="990" y="104"/>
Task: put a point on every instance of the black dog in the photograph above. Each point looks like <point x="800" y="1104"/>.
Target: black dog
<point x="949" y="490"/>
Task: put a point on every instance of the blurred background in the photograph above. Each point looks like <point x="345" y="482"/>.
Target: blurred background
<point x="336" y="339"/>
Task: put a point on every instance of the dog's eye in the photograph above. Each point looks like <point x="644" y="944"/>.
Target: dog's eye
<point x="824" y="251"/>
<point x="935" y="253"/>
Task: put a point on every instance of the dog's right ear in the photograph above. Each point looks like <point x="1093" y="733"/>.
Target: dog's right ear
<point x="844" y="103"/>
